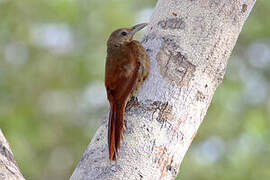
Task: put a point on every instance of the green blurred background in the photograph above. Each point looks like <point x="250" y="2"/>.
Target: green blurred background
<point x="52" y="97"/>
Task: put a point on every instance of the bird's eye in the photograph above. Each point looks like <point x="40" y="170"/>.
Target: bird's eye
<point x="123" y="33"/>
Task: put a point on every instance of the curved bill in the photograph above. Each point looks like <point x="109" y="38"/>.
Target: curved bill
<point x="137" y="28"/>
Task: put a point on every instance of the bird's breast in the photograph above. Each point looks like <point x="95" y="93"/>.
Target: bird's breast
<point x="122" y="62"/>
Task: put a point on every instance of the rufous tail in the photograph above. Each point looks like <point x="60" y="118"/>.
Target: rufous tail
<point x="115" y="129"/>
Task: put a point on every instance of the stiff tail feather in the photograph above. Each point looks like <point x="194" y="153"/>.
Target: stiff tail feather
<point x="115" y="129"/>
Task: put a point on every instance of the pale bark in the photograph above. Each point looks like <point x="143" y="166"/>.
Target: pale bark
<point x="9" y="169"/>
<point x="189" y="43"/>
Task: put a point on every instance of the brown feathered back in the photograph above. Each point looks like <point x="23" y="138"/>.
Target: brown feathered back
<point x="127" y="66"/>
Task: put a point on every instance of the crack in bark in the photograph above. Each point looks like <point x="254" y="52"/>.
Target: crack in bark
<point x="5" y="152"/>
<point x="172" y="23"/>
<point x="200" y="96"/>
<point x="163" y="110"/>
<point x="244" y="8"/>
<point x="175" y="65"/>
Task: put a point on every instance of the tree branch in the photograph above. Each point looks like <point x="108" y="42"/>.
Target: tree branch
<point x="189" y="43"/>
<point x="8" y="166"/>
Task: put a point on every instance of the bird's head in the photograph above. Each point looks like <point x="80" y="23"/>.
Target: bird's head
<point x="124" y="35"/>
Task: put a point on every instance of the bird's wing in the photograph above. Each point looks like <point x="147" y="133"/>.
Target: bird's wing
<point x="121" y="75"/>
<point x="120" y="78"/>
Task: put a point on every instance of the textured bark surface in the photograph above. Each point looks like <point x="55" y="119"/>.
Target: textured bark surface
<point x="189" y="43"/>
<point x="8" y="167"/>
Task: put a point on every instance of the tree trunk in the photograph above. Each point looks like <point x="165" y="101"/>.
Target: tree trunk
<point x="9" y="169"/>
<point x="189" y="43"/>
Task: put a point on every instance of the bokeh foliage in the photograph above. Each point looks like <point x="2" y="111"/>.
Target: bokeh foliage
<point x="52" y="55"/>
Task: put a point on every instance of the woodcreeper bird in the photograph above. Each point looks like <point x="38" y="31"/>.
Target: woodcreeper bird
<point x="127" y="66"/>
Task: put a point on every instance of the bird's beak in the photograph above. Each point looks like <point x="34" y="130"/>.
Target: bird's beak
<point x="137" y="28"/>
